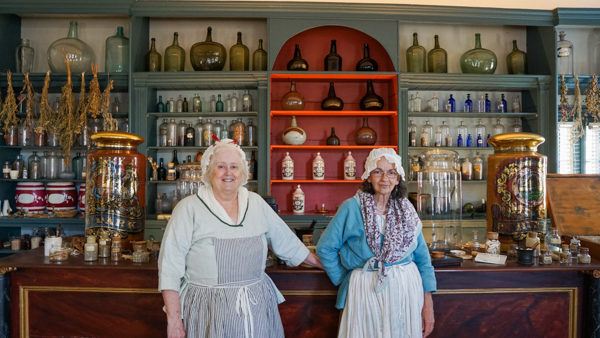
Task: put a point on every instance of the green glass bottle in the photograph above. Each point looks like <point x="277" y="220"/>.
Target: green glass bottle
<point x="117" y="52"/>
<point x="153" y="58"/>
<point x="516" y="61"/>
<point x="259" y="57"/>
<point x="239" y="56"/>
<point x="174" y="56"/>
<point x="415" y="57"/>
<point x="478" y="60"/>
<point x="437" y="58"/>
<point x="208" y="55"/>
<point x="219" y="105"/>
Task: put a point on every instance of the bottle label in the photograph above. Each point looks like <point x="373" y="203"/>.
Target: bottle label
<point x="564" y="52"/>
<point x="298" y="204"/>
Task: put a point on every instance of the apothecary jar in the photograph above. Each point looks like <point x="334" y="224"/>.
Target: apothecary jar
<point x="439" y="197"/>
<point x="115" y="186"/>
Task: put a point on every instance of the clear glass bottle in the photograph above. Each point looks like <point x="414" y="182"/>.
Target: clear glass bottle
<point x="516" y="104"/>
<point x="196" y="104"/>
<point x="18" y="164"/>
<point x="298" y="201"/>
<point x="172" y="133"/>
<point x="52" y="166"/>
<point x="259" y="58"/>
<point x="181" y="127"/>
<point x="162" y="133"/>
<point x="153" y="58"/>
<point x="318" y="167"/>
<point x="349" y="167"/>
<point x="434" y="104"/>
<point x="179" y="104"/>
<point x="246" y="101"/>
<point x="207" y="132"/>
<point x="80" y="55"/>
<point x="574" y="246"/>
<point x="239" y="56"/>
<point x="90" y="249"/>
<point x="43" y="164"/>
<point x="477" y="168"/>
<point x="190" y="136"/>
<point x="24" y="55"/>
<point x="251" y="134"/>
<point x="466" y="168"/>
<point x="584" y="256"/>
<point x="412" y="134"/>
<point x="25" y="138"/>
<point x="481" y="104"/>
<point x="516" y="126"/>
<point x="480" y="132"/>
<point x="565" y="255"/>
<point x="117" y="53"/>
<point x="417" y="103"/>
<point x="213" y="103"/>
<point x="461" y="132"/>
<point x="416" y="57"/>
<point x="437" y="137"/>
<point x="218" y="127"/>
<point x="104" y="246"/>
<point x="239" y="132"/>
<point x="553" y="241"/>
<point x="233" y="105"/>
<point x="34" y="166"/>
<point x="437" y="58"/>
<point x="468" y="106"/>
<point x="446" y="135"/>
<point x="287" y="167"/>
<point x="225" y="131"/>
<point x="498" y="127"/>
<point x="333" y="61"/>
<point x="170" y="105"/>
<point x="198" y="134"/>
<point x="564" y="53"/>
<point x="174" y="56"/>
<point x="426" y="134"/>
<point x="77" y="165"/>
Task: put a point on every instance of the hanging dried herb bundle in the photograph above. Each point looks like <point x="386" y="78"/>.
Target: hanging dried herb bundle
<point x="564" y="104"/>
<point x="578" y="129"/>
<point x="81" y="108"/>
<point x="8" y="114"/>
<point x="592" y="99"/>
<point x="95" y="95"/>
<point x="44" y="121"/>
<point x="28" y="94"/>
<point x="110" y="124"/>
<point x="67" y="121"/>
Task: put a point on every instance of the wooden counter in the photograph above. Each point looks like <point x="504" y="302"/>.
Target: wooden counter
<point x="75" y="298"/>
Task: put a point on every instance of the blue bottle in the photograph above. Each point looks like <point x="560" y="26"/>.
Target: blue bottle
<point x="459" y="141"/>
<point x="479" y="141"/>
<point x="488" y="104"/>
<point x="452" y="104"/>
<point x="468" y="104"/>
<point x="469" y="141"/>
<point x="160" y="106"/>
<point x="504" y="104"/>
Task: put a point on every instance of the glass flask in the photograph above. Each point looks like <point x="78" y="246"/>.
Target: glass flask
<point x="259" y="58"/>
<point x="498" y="128"/>
<point x="239" y="55"/>
<point x="80" y="54"/>
<point x="292" y="100"/>
<point x="415" y="57"/>
<point x="208" y="55"/>
<point x="117" y="53"/>
<point x="24" y="55"/>
<point x="34" y="166"/>
<point x="564" y="54"/>
<point x="478" y="60"/>
<point x="333" y="140"/>
<point x="434" y="104"/>
<point x="412" y="134"/>
<point x="207" y="132"/>
<point x="246" y="101"/>
<point x="480" y="132"/>
<point x="365" y="135"/>
<point x="446" y="135"/>
<point x="198" y="132"/>
<point x="461" y="132"/>
<point x="371" y="101"/>
<point x="437" y="58"/>
<point x="426" y="134"/>
<point x="251" y="134"/>
<point x="297" y="62"/>
<point x="332" y="102"/>
<point x="439" y="197"/>
<point x="516" y="61"/>
<point x="219" y="106"/>
<point x="174" y="56"/>
<point x="153" y="58"/>
<point x="333" y="61"/>
<point x="367" y="64"/>
<point x="172" y="133"/>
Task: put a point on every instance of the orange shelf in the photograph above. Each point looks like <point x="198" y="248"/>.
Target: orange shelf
<point x="325" y="147"/>
<point x="316" y="181"/>
<point x="328" y="76"/>
<point x="338" y="113"/>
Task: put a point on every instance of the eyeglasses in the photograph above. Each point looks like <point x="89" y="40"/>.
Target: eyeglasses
<point x="379" y="173"/>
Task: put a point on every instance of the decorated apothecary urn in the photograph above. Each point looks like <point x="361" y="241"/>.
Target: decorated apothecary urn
<point x="298" y="201"/>
<point x="287" y="167"/>
<point x="516" y="188"/>
<point x="318" y="167"/>
<point x="115" y="186"/>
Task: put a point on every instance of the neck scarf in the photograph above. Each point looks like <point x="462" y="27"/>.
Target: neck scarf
<point x="401" y="234"/>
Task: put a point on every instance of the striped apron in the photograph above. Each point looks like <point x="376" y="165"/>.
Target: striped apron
<point x="243" y="303"/>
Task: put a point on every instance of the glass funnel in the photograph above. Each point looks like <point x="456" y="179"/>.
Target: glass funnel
<point x="439" y="197"/>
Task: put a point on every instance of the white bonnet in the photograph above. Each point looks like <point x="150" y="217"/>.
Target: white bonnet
<point x="210" y="151"/>
<point x="389" y="154"/>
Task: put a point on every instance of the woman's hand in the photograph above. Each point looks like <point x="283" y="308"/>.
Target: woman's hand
<point x="427" y="315"/>
<point x="313" y="260"/>
<point x="175" y="328"/>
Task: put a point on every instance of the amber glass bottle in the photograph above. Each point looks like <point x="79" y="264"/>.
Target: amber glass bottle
<point x="174" y="56"/>
<point x="332" y="102"/>
<point x="297" y="62"/>
<point x="371" y="101"/>
<point x="153" y="58"/>
<point x="333" y="140"/>
<point x="239" y="55"/>
<point x="333" y="61"/>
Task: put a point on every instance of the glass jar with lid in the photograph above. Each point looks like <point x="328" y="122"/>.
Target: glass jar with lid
<point x="461" y="134"/>
<point x="439" y="197"/>
<point x="412" y="134"/>
<point x="498" y="127"/>
<point x="446" y="135"/>
<point x="426" y="134"/>
<point x="584" y="255"/>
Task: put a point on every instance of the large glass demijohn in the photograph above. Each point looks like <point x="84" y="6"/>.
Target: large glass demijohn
<point x="79" y="54"/>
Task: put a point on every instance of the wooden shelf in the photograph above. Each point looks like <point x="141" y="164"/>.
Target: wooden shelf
<point x="120" y="81"/>
<point x="317" y="181"/>
<point x="44" y="148"/>
<point x="18" y="221"/>
<point x="42" y="180"/>
<point x="486" y="149"/>
<point x="472" y="115"/>
<point x="335" y="113"/>
<point x="326" y="147"/>
<point x="205" y="114"/>
<point x="335" y="76"/>
<point x="177" y="181"/>
<point x="193" y="148"/>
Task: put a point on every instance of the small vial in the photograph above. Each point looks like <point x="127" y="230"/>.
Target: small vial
<point x="115" y="249"/>
<point x="565" y="255"/>
<point x="584" y="256"/>
<point x="90" y="249"/>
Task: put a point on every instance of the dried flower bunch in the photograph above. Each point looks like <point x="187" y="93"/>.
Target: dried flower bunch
<point x="564" y="104"/>
<point x="8" y="114"/>
<point x="576" y="112"/>
<point x="67" y="121"/>
<point x="592" y="99"/>
<point x="28" y="95"/>
<point x="44" y="122"/>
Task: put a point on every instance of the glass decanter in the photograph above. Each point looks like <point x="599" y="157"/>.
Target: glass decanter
<point x="174" y="56"/>
<point x="437" y="58"/>
<point x="292" y="100"/>
<point x="259" y="58"/>
<point x="117" y="53"/>
<point x="371" y="101"/>
<point x="297" y="62"/>
<point x="153" y="58"/>
<point x="478" y="60"/>
<point x="239" y="55"/>
<point x="426" y="134"/>
<point x="415" y="57"/>
<point x="80" y="54"/>
<point x="208" y="55"/>
<point x="461" y="132"/>
<point x="564" y="53"/>
<point x="333" y="61"/>
<point x="446" y="135"/>
<point x="367" y="64"/>
<point x="516" y="61"/>
<point x="498" y="127"/>
<point x="332" y="102"/>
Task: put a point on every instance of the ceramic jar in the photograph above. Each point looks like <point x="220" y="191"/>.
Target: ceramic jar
<point x="294" y="135"/>
<point x="30" y="197"/>
<point x="287" y="167"/>
<point x="81" y="198"/>
<point x="61" y="196"/>
<point x="516" y="186"/>
<point x="115" y="186"/>
<point x="298" y="201"/>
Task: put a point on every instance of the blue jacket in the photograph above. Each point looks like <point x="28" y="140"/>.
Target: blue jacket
<point x="343" y="247"/>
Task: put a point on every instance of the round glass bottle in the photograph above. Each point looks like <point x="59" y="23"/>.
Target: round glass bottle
<point x="367" y="64"/>
<point x="292" y="100"/>
<point x="117" y="53"/>
<point x="478" y="60"/>
<point x="371" y="101"/>
<point x="239" y="132"/>
<point x="208" y="55"/>
<point x="332" y="102"/>
<point x="366" y="135"/>
<point x="80" y="54"/>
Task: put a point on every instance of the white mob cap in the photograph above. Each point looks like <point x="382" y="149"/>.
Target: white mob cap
<point x="389" y="154"/>
<point x="210" y="151"/>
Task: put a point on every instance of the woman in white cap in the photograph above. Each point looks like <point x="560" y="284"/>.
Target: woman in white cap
<point x="374" y="249"/>
<point x="213" y="253"/>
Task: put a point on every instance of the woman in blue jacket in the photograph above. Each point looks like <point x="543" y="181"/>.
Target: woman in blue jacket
<point x="374" y="250"/>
